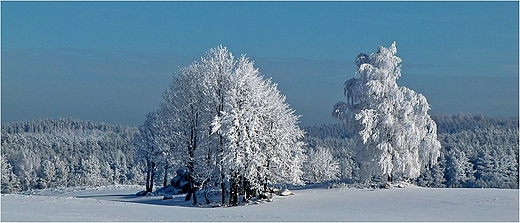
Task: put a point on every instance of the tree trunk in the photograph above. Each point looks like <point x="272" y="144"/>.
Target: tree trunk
<point x="249" y="193"/>
<point x="192" y="191"/>
<point x="233" y="196"/>
<point x="165" y="178"/>
<point x="222" y="174"/>
<point x="231" y="192"/>
<point x="148" y="174"/>
<point x="152" y="176"/>
<point x="191" y="157"/>
<point x="223" y="191"/>
<point x="188" y="196"/>
<point x="244" y="192"/>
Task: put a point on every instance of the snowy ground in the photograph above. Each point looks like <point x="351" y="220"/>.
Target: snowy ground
<point x="119" y="203"/>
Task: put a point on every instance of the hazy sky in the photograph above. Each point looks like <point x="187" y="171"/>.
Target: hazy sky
<point x="111" y="61"/>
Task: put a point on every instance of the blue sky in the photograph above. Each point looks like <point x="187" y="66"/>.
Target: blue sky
<point x="111" y="61"/>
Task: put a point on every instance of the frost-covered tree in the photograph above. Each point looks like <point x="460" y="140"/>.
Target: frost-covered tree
<point x="396" y="136"/>
<point x="433" y="176"/>
<point x="321" y="166"/>
<point x="459" y="170"/>
<point x="281" y="135"/>
<point x="184" y="108"/>
<point x="219" y="65"/>
<point x="230" y="127"/>
<point x="260" y="131"/>
<point x="10" y="182"/>
<point x="147" y="143"/>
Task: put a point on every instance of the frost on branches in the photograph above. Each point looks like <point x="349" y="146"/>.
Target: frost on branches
<point x="321" y="166"/>
<point x="228" y="127"/>
<point x="396" y="136"/>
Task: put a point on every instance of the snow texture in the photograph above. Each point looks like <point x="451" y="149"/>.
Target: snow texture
<point x="119" y="203"/>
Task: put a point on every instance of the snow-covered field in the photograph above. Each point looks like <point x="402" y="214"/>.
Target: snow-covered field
<point x="119" y="203"/>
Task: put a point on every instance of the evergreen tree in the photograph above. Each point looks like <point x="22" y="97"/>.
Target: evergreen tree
<point x="10" y="182"/>
<point x="459" y="170"/>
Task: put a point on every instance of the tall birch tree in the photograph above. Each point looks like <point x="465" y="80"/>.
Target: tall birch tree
<point x="396" y="136"/>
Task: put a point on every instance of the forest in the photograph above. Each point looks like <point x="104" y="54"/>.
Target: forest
<point x="67" y="152"/>
<point x="477" y="151"/>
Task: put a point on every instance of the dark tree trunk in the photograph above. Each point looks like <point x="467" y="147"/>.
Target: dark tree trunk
<point x="148" y="181"/>
<point x="222" y="174"/>
<point x="165" y="178"/>
<point x="247" y="190"/>
<point x="188" y="196"/>
<point x="150" y="174"/>
<point x="233" y="191"/>
<point x="192" y="192"/>
<point x="223" y="191"/>
<point x="191" y="157"/>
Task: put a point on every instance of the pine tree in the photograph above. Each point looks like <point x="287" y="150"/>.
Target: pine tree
<point x="459" y="171"/>
<point x="10" y="182"/>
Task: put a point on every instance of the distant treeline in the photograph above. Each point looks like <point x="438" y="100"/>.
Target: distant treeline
<point x="476" y="151"/>
<point x="66" y="152"/>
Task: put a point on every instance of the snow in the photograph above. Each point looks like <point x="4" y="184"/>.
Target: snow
<point x="119" y="203"/>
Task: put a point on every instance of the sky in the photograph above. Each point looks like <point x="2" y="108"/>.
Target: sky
<point x="111" y="61"/>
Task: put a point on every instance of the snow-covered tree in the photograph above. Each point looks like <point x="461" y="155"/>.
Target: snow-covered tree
<point x="281" y="135"/>
<point x="219" y="65"/>
<point x="459" y="170"/>
<point x="10" y="182"/>
<point x="260" y="131"/>
<point x="433" y="176"/>
<point x="184" y="108"/>
<point x="148" y="148"/>
<point x="395" y="133"/>
<point x="230" y="126"/>
<point x="321" y="166"/>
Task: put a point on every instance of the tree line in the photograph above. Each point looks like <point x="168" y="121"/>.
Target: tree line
<point x="67" y="152"/>
<point x="476" y="151"/>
